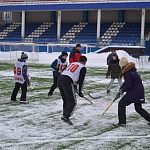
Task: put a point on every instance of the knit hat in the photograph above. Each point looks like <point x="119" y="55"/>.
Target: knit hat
<point x="123" y="62"/>
<point x="24" y="56"/>
<point x="64" y="54"/>
<point x="83" y="59"/>
<point x="78" y="45"/>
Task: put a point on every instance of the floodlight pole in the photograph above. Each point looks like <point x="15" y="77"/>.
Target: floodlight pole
<point x="142" y="26"/>
<point x="23" y="25"/>
<point x="58" y="25"/>
<point x="98" y="25"/>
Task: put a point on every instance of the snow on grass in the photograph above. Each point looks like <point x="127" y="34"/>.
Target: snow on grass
<point x="38" y="124"/>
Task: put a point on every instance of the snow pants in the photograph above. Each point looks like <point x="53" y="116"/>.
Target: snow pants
<point x="23" y="91"/>
<point x="138" y="108"/>
<point x="66" y="87"/>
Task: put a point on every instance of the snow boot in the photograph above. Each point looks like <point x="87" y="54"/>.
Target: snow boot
<point x="12" y="100"/>
<point x="67" y="120"/>
<point x="119" y="125"/>
<point x="108" y="91"/>
<point x="24" y="102"/>
<point x="50" y="94"/>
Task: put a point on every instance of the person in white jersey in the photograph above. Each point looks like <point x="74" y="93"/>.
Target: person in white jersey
<point x="58" y="66"/>
<point x="21" y="78"/>
<point x="74" y="73"/>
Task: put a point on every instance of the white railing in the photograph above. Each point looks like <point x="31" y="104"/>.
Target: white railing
<point x="66" y="1"/>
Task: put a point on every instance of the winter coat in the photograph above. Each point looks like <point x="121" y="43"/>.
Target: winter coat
<point x="74" y="55"/>
<point x="55" y="66"/>
<point x="114" y="69"/>
<point x="132" y="85"/>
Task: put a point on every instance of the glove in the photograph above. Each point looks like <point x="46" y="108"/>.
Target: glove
<point x="81" y="94"/>
<point x="28" y="82"/>
<point x="119" y="94"/>
<point x="60" y="71"/>
<point x="75" y="87"/>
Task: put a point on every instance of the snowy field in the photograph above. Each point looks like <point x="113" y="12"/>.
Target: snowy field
<point x="37" y="126"/>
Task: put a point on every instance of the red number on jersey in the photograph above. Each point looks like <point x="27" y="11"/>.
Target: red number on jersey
<point x="72" y="67"/>
<point x="61" y="67"/>
<point x="17" y="71"/>
<point x="14" y="70"/>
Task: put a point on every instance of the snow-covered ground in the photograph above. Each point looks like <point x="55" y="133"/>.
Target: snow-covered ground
<point x="94" y="59"/>
<point x="38" y="125"/>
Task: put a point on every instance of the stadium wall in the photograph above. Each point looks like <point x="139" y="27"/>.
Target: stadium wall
<point x="108" y="16"/>
<point x="37" y="17"/>
<point x="72" y="16"/>
<point x="16" y="17"/>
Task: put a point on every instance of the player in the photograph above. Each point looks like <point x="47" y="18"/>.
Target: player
<point x="109" y="58"/>
<point x="58" y="66"/>
<point x="75" y="72"/>
<point x="114" y="70"/>
<point x="75" y="54"/>
<point x="134" y="92"/>
<point x="21" y="78"/>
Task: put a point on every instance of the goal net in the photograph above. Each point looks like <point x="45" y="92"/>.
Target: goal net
<point x="12" y="51"/>
<point x="143" y="60"/>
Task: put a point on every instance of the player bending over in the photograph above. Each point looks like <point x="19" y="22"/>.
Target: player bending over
<point x="75" y="72"/>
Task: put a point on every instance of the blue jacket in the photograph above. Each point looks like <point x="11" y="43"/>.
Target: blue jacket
<point x="132" y="85"/>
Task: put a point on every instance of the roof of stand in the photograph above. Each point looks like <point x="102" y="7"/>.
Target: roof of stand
<point x="53" y="6"/>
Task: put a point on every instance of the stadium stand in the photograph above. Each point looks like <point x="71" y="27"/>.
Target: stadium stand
<point x="111" y="34"/>
<point x="72" y="21"/>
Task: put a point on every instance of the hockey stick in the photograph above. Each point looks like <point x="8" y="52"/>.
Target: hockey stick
<point x="88" y="100"/>
<point x="117" y="96"/>
<point x="32" y="86"/>
<point x="94" y="97"/>
<point x="108" y="107"/>
<point x="84" y="97"/>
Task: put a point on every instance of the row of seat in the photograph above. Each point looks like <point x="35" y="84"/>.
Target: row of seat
<point x="125" y="33"/>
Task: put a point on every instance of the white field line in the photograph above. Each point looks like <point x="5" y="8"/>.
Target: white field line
<point x="102" y="138"/>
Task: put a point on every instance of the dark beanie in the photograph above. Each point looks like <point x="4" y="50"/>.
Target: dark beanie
<point x="83" y="59"/>
<point x="114" y="54"/>
<point x="78" y="45"/>
<point x="24" y="56"/>
<point x="64" y="54"/>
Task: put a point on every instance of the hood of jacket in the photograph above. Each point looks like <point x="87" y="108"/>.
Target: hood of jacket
<point x="130" y="66"/>
<point x="61" y="59"/>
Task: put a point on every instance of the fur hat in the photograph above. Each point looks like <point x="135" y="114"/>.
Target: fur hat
<point x="24" y="56"/>
<point x="123" y="62"/>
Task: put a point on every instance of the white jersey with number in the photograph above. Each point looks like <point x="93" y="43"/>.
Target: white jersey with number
<point x="18" y="76"/>
<point x="60" y="65"/>
<point x="73" y="71"/>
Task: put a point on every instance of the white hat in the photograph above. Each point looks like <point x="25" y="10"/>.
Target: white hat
<point x="123" y="62"/>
